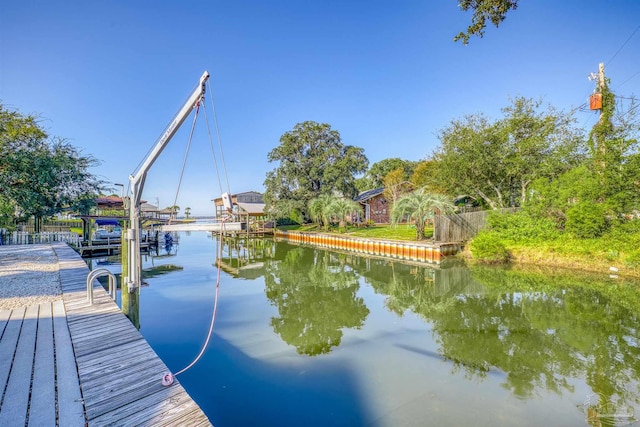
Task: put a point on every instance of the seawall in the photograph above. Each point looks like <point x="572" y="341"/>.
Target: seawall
<point x="430" y="252"/>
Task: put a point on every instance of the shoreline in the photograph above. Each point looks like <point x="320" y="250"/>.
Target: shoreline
<point x="573" y="263"/>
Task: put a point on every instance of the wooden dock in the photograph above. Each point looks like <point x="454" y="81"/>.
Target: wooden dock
<point x="113" y="247"/>
<point x="35" y="350"/>
<point x="118" y="376"/>
<point x="203" y="226"/>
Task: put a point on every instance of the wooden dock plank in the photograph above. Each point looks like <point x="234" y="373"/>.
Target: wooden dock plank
<point x="8" y="346"/>
<point x="4" y="320"/>
<point x="70" y="403"/>
<point x="88" y="330"/>
<point x="111" y="366"/>
<point x="116" y="383"/>
<point x="15" y="404"/>
<point x="105" y="356"/>
<point x="143" y="410"/>
<point x="42" y="409"/>
<point x="119" y="372"/>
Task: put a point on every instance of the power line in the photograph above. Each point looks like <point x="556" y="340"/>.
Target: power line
<point x="628" y="79"/>
<point x="623" y="44"/>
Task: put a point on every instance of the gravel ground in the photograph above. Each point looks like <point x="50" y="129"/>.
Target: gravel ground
<point x="28" y="275"/>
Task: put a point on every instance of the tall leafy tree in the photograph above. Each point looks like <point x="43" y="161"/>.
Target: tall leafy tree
<point x="41" y="176"/>
<point x="396" y="184"/>
<point x="498" y="161"/>
<point x="374" y="177"/>
<point x="425" y="174"/>
<point x="312" y="161"/>
<point x="494" y="11"/>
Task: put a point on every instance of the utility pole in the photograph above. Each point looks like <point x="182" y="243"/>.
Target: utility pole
<point x="601" y="85"/>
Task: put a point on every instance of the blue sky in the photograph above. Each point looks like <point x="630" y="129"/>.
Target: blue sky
<point x="109" y="76"/>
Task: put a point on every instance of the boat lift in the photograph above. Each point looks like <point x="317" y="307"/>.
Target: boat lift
<point x="137" y="181"/>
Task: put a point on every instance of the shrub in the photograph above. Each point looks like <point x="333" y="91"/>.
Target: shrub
<point x="487" y="247"/>
<point x="522" y="226"/>
<point x="586" y="220"/>
<point x="632" y="260"/>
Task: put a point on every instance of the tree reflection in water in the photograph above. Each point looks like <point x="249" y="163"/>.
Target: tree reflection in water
<point x="543" y="330"/>
<point x="316" y="298"/>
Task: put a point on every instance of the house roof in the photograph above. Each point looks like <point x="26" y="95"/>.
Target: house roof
<point x="370" y="194"/>
<point x="109" y="201"/>
<point x="253" y="209"/>
<point x="246" y="197"/>
<point x="147" y="207"/>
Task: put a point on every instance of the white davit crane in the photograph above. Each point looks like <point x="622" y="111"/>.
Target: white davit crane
<point x="137" y="183"/>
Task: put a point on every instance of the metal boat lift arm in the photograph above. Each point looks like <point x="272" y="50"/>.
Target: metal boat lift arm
<point x="137" y="181"/>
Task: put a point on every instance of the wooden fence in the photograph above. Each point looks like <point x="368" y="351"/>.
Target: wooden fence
<point x="458" y="227"/>
<point x="50" y="225"/>
<point x="462" y="226"/>
<point x="26" y="238"/>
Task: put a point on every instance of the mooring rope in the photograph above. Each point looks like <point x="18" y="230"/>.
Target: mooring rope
<point x="167" y="379"/>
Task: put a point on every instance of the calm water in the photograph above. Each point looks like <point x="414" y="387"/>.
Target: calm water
<point x="317" y="338"/>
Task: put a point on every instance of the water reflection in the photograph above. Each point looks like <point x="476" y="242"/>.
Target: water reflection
<point x="544" y="329"/>
<point x="541" y="331"/>
<point x="315" y="294"/>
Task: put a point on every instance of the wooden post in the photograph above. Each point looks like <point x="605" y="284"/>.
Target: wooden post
<point x="130" y="301"/>
<point x="601" y="82"/>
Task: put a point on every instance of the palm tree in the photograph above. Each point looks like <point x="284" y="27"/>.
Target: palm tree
<point x="187" y="211"/>
<point x="174" y="210"/>
<point x="339" y="208"/>
<point x="318" y="210"/>
<point x="420" y="206"/>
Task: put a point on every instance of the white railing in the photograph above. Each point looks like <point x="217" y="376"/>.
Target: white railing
<point x="26" y="238"/>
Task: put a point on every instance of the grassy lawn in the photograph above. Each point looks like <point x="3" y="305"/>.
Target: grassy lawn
<point x="400" y="232"/>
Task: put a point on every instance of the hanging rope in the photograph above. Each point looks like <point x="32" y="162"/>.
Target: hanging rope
<point x="213" y="153"/>
<point x="167" y="379"/>
<point x="215" y="119"/>
<point x="184" y="162"/>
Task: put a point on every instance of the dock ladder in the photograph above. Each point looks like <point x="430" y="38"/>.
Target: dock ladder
<point x="113" y="283"/>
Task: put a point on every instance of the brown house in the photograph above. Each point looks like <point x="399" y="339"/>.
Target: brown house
<point x="375" y="206"/>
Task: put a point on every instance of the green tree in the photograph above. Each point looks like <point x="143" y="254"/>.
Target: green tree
<point x="340" y="208"/>
<point x="318" y="211"/>
<point x="187" y="211"/>
<point x="420" y="207"/>
<point x="7" y="210"/>
<point x="374" y="177"/>
<point x="173" y="210"/>
<point x="493" y="10"/>
<point x="498" y="161"/>
<point x="613" y="146"/>
<point x="605" y="187"/>
<point x="312" y="161"/>
<point x="396" y="184"/>
<point x="425" y="174"/>
<point x="40" y="176"/>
